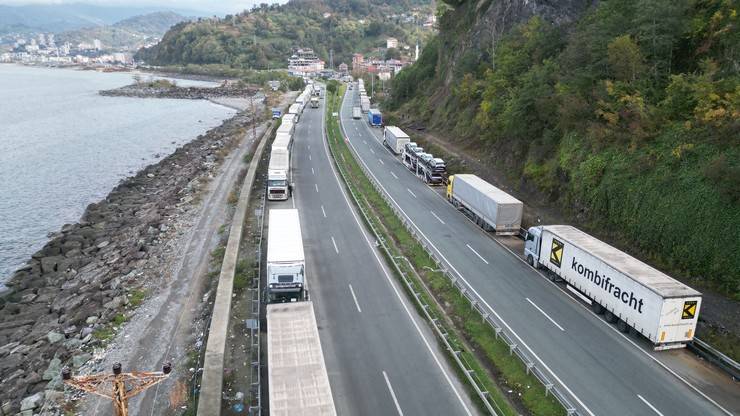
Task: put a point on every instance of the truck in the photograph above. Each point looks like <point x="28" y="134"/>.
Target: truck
<point x="297" y="380"/>
<point x="286" y="126"/>
<point x="374" y="118"/>
<point x="278" y="174"/>
<point x="356" y="113"/>
<point x="286" y="263"/>
<point x="296" y="110"/>
<point x="410" y="155"/>
<point x="365" y="104"/>
<point x="490" y="207"/>
<point x="630" y="293"/>
<point x="276" y="113"/>
<point x="395" y="139"/>
<point x="432" y="170"/>
<point x="314" y="102"/>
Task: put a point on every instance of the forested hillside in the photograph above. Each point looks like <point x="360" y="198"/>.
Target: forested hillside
<point x="266" y="36"/>
<point x="132" y="32"/>
<point x="624" y="114"/>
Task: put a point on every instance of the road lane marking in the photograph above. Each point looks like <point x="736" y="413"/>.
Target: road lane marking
<point x="393" y="394"/>
<point x="312" y="172"/>
<point x="394" y="175"/>
<point x="335" y="244"/>
<point x="317" y="187"/>
<point x="546" y="315"/>
<point x="373" y="151"/>
<point x="412" y="194"/>
<point x="364" y="141"/>
<point x="309" y="147"/>
<point x="435" y="216"/>
<point x="322" y="211"/>
<point x="381" y="162"/>
<point x="309" y="157"/>
<point x="649" y="405"/>
<point x="476" y="253"/>
<point x="355" y="298"/>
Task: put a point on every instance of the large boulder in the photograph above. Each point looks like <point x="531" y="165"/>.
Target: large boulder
<point x="32" y="402"/>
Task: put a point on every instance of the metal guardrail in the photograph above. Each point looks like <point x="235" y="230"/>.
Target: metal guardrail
<point x="717" y="358"/>
<point x="255" y="348"/>
<point x="552" y="386"/>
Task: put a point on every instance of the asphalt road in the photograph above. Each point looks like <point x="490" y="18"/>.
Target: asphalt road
<point x="381" y="357"/>
<point x="607" y="373"/>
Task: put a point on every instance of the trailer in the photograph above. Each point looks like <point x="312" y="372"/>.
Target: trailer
<point x="395" y="139"/>
<point x="286" y="126"/>
<point x="629" y="292"/>
<point x="286" y="263"/>
<point x="432" y="170"/>
<point x="278" y="174"/>
<point x="314" y="102"/>
<point x="374" y="118"/>
<point x="410" y="155"/>
<point x="490" y="208"/>
<point x="295" y="110"/>
<point x="356" y="113"/>
<point x="297" y="380"/>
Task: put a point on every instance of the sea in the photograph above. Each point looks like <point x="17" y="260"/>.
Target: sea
<point x="63" y="146"/>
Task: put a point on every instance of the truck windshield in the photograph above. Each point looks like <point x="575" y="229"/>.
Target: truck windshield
<point x="285" y="278"/>
<point x="276" y="182"/>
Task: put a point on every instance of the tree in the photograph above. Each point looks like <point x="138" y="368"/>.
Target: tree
<point x="392" y="53"/>
<point x="625" y="59"/>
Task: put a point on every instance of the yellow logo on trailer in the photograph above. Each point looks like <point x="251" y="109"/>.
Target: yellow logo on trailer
<point x="556" y="252"/>
<point x="689" y="309"/>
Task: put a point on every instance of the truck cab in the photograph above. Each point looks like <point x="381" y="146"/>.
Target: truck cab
<point x="276" y="113"/>
<point x="532" y="245"/>
<point x="277" y="185"/>
<point x="285" y="283"/>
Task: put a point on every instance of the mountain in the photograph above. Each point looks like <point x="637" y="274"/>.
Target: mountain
<point x="65" y="17"/>
<point x="622" y="114"/>
<point x="267" y="35"/>
<point x="131" y="33"/>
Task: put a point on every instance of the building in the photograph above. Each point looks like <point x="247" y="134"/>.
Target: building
<point x="304" y="62"/>
<point x="391" y="43"/>
<point x="358" y="62"/>
<point x="97" y="45"/>
<point x="343" y="68"/>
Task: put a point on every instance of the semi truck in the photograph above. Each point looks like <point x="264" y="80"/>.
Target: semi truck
<point x="490" y="207"/>
<point x="314" y="102"/>
<point x="295" y="110"/>
<point x="286" y="126"/>
<point x="374" y="118"/>
<point x="629" y="292"/>
<point x="278" y="174"/>
<point x="395" y="139"/>
<point x="432" y="170"/>
<point x="364" y="103"/>
<point x="356" y="113"/>
<point x="410" y="155"/>
<point x="276" y="113"/>
<point x="286" y="263"/>
<point x="298" y="383"/>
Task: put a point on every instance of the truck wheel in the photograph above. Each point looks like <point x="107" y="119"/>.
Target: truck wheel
<point x="598" y="309"/>
<point x="610" y="317"/>
<point x="623" y="327"/>
<point x="530" y="260"/>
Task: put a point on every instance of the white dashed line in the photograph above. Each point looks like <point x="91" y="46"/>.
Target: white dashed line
<point x="476" y="253"/>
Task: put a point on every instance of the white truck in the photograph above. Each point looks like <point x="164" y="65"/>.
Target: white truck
<point x="278" y="174"/>
<point x="490" y="208"/>
<point x="631" y="293"/>
<point x="314" y="102"/>
<point x="395" y="139"/>
<point x="356" y="113"/>
<point x="365" y="104"/>
<point x="286" y="126"/>
<point x="295" y="110"/>
<point x="286" y="263"/>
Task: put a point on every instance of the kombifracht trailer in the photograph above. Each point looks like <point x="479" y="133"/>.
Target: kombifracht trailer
<point x="395" y="139"/>
<point x="374" y="118"/>
<point x="286" y="263"/>
<point x="631" y="293"/>
<point x="491" y="208"/>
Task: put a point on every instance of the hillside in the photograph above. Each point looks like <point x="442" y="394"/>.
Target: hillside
<point x="622" y="114"/>
<point x="265" y="36"/>
<point x="133" y="32"/>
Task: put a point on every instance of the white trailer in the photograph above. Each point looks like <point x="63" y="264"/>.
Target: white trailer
<point x="631" y="293"/>
<point x="286" y="126"/>
<point x="490" y="207"/>
<point x="395" y="139"/>
<point x="286" y="263"/>
<point x="356" y="113"/>
<point x="297" y="379"/>
<point x="314" y="102"/>
<point x="365" y="104"/>
<point x="278" y="174"/>
<point x="295" y="110"/>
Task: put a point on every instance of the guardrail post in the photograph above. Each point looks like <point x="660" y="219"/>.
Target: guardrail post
<point x="548" y="387"/>
<point x="497" y="331"/>
<point x="512" y="347"/>
<point x="529" y="367"/>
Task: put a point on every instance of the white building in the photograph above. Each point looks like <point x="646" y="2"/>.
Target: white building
<point x="97" y="45"/>
<point x="304" y="62"/>
<point x="391" y="43"/>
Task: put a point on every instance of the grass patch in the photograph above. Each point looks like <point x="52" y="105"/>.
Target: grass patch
<point x="119" y="319"/>
<point x="217" y="255"/>
<point x="136" y="297"/>
<point x="242" y="275"/>
<point x="457" y="315"/>
<point x="104" y="333"/>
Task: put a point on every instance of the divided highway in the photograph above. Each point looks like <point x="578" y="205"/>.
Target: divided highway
<point x="380" y="356"/>
<point x="606" y="372"/>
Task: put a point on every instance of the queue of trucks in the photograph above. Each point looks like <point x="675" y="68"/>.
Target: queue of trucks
<point x="630" y="293"/>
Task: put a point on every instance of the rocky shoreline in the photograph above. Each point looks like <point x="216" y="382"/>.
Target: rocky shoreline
<point x="166" y="90"/>
<point x="58" y="307"/>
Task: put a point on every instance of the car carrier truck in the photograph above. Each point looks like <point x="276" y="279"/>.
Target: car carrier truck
<point x="629" y="292"/>
<point x="286" y="264"/>
<point x="490" y="208"/>
<point x="395" y="139"/>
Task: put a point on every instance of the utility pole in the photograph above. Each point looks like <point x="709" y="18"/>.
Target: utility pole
<point x="331" y="59"/>
<point x="117" y="386"/>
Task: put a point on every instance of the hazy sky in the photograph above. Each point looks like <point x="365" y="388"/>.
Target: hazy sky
<point x="212" y="6"/>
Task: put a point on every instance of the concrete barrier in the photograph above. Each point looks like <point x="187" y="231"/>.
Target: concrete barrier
<point x="209" y="402"/>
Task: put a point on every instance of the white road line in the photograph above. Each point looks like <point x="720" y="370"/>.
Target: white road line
<point x="309" y="147"/>
<point x="312" y="172"/>
<point x="355" y="298"/>
<point x="373" y="151"/>
<point x="364" y="141"/>
<point x="335" y="245"/>
<point x="435" y="216"/>
<point x="546" y="315"/>
<point x="412" y="194"/>
<point x="381" y="162"/>
<point x="393" y="394"/>
<point x="316" y="186"/>
<point x="309" y="157"/>
<point x="394" y="175"/>
<point x="476" y="253"/>
<point x="649" y="405"/>
<point x="322" y="211"/>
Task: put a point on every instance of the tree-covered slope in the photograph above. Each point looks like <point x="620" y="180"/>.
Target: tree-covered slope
<point x="625" y="114"/>
<point x="266" y="36"/>
<point x="132" y="32"/>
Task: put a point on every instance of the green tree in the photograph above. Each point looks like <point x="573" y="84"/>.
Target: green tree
<point x="625" y="59"/>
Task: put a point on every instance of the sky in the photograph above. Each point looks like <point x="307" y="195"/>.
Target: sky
<point x="210" y="6"/>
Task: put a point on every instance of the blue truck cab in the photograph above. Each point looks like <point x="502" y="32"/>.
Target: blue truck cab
<point x="374" y="118"/>
<point x="276" y="113"/>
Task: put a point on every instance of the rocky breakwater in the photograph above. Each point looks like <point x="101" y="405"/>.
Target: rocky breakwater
<point x="58" y="308"/>
<point x="165" y="89"/>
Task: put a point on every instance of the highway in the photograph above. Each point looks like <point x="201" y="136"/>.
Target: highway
<point x="606" y="372"/>
<point x="381" y="358"/>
